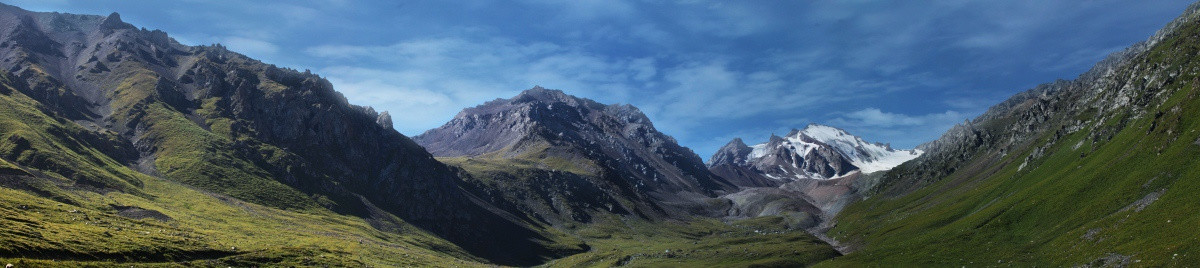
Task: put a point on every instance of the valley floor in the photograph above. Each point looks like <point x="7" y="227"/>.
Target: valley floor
<point x="761" y="242"/>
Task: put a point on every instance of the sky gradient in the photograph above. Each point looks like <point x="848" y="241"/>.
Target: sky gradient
<point x="899" y="72"/>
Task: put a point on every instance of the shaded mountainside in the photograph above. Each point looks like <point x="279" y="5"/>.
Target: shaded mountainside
<point x="558" y="156"/>
<point x="70" y="197"/>
<point x="122" y="98"/>
<point x="1098" y="171"/>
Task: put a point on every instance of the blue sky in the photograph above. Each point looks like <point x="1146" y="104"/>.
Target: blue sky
<point x="704" y="71"/>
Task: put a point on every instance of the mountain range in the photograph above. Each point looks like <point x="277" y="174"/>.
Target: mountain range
<point x="119" y="145"/>
<point x="117" y="106"/>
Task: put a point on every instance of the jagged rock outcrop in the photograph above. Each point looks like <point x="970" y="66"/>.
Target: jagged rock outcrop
<point x="384" y="120"/>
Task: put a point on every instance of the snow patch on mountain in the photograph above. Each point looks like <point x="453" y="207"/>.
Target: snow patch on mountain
<point x="868" y="157"/>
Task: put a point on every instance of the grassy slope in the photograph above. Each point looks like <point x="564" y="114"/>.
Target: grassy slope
<point x="1072" y="206"/>
<point x="55" y="220"/>
<point x="530" y="179"/>
<point x="536" y="157"/>
<point x="63" y="151"/>
<point x="193" y="155"/>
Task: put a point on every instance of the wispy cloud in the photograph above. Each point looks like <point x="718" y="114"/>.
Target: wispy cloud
<point x="721" y="18"/>
<point x="873" y="117"/>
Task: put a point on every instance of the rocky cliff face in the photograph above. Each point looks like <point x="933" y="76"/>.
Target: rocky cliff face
<point x="220" y="121"/>
<point x="616" y="146"/>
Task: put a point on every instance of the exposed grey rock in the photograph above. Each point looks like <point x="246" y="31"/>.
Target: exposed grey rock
<point x="113" y="22"/>
<point x="732" y="163"/>
<point x="1110" y="260"/>
<point x="384" y="120"/>
<point x="769" y="201"/>
<point x="1145" y="201"/>
<point x="619" y="138"/>
<point x="734" y="152"/>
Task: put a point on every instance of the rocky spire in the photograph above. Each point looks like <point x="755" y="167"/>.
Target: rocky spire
<point x="113" y="22"/>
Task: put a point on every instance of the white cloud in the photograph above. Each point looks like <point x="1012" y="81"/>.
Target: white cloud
<point x="705" y="93"/>
<point x="902" y="129"/>
<point x="874" y="117"/>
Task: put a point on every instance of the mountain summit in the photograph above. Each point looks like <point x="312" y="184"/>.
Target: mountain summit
<point x="612" y="139"/>
<point x="615" y="147"/>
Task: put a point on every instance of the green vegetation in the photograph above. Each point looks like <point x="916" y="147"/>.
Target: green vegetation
<point x="62" y="151"/>
<point x="1129" y="200"/>
<point x="193" y="155"/>
<point x="625" y="240"/>
<point x="202" y="229"/>
<point x="764" y="242"/>
<point x="66" y="201"/>
<point x="550" y="189"/>
<point x="538" y="157"/>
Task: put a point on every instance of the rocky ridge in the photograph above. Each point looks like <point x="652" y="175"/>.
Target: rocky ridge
<point x="613" y="149"/>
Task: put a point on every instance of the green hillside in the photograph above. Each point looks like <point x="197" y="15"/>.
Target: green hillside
<point x="1102" y="182"/>
<point x="66" y="203"/>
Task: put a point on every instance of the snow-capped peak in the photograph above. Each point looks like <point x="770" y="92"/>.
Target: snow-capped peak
<point x="865" y="156"/>
<point x="868" y="157"/>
